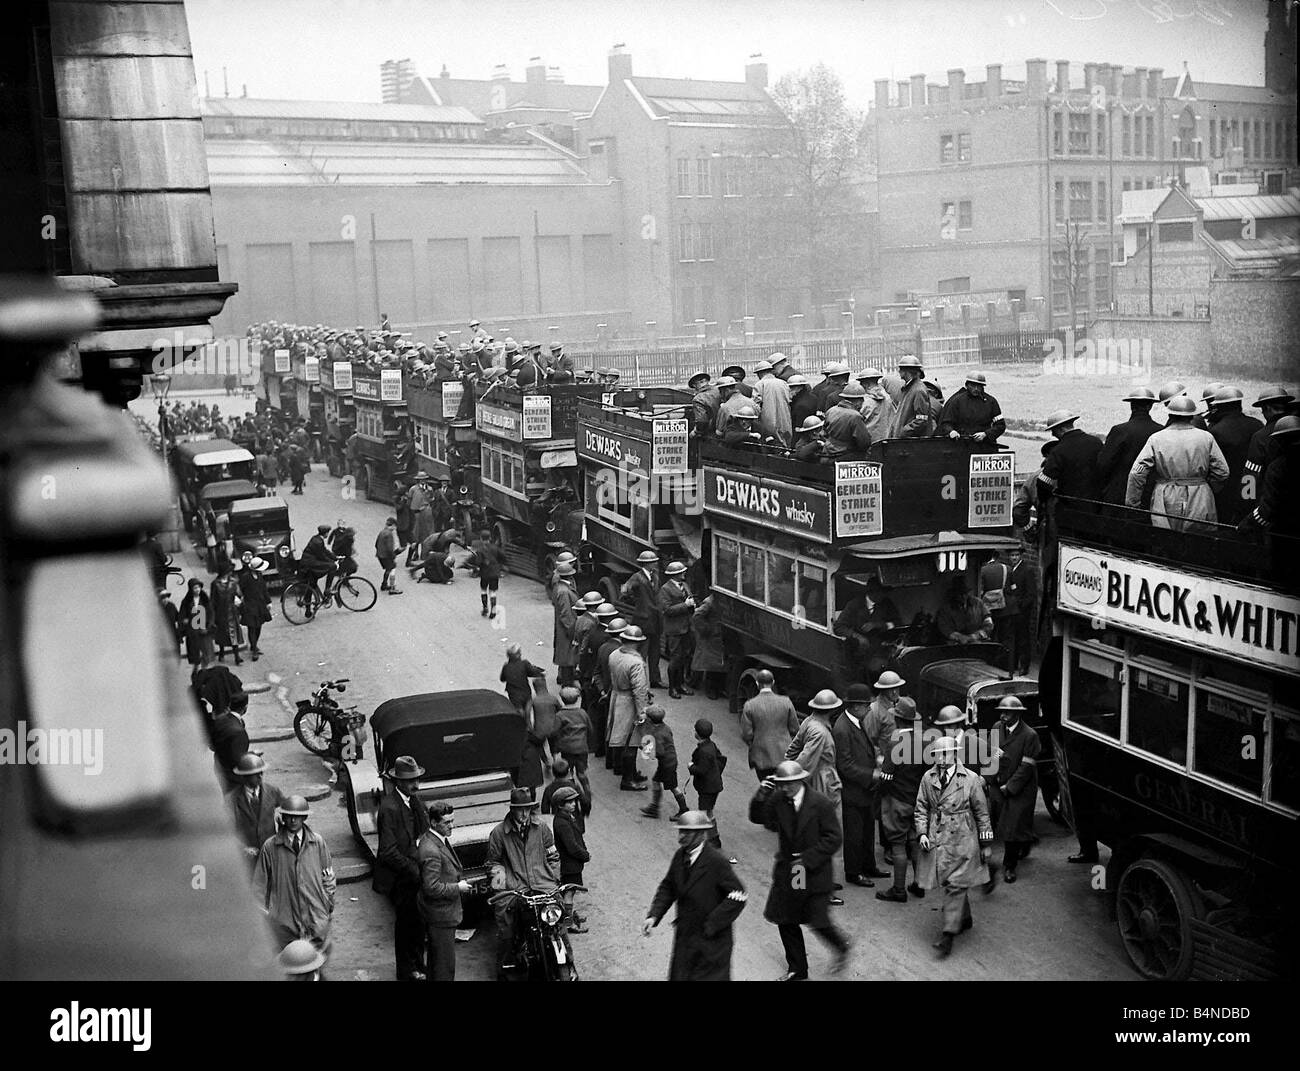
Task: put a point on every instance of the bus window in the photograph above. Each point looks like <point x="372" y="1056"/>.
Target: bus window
<point x="1157" y="715"/>
<point x="752" y="567"/>
<point x="812" y="594"/>
<point x="1225" y="730"/>
<point x="1225" y="672"/>
<point x="726" y="559"/>
<point x="1094" y="692"/>
<point x="780" y="582"/>
<point x="1284" y="781"/>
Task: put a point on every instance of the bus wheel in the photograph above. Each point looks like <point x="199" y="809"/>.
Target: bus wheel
<point x="501" y="534"/>
<point x="545" y="565"/>
<point x="1155" y="905"/>
<point x="747" y="686"/>
<point x="609" y="589"/>
<point x="370" y="483"/>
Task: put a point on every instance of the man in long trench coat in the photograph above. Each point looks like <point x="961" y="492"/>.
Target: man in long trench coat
<point x="952" y="823"/>
<point x="629" y="695"/>
<point x="566" y="602"/>
<point x="709" y="898"/>
<point x="1013" y="788"/>
<point x="1187" y="468"/>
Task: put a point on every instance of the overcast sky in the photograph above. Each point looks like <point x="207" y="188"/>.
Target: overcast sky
<point x="331" y="49"/>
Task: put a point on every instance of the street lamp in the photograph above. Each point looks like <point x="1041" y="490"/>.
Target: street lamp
<point x="161" y="383"/>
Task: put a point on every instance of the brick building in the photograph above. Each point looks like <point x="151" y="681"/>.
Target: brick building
<point x="977" y="179"/>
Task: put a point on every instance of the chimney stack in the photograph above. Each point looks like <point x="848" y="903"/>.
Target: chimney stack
<point x="882" y="92"/>
<point x="756" y="71"/>
<point x="620" y="64"/>
<point x="956" y="84"/>
<point x="500" y="73"/>
<point x="555" y="75"/>
<point x="993" y="80"/>
<point x="904" y="94"/>
<point x="535" y="71"/>
<point x="1140" y="73"/>
<point x="1128" y="83"/>
<point x="1035" y="78"/>
<point x="918" y="90"/>
<point x="1156" y="75"/>
<point x="1089" y="76"/>
<point x="1063" y="76"/>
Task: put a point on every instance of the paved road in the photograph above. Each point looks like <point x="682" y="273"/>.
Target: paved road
<point x="1050" y="925"/>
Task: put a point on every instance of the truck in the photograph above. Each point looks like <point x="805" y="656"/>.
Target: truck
<point x="1172" y="678"/>
<point x="640" y="484"/>
<point x="385" y="452"/>
<point x="529" y="469"/>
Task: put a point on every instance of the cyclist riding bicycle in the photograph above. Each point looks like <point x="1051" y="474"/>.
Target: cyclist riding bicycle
<point x="317" y="561"/>
<point x="341" y="544"/>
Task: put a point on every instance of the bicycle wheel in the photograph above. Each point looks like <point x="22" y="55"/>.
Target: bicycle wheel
<point x="314" y="731"/>
<point x="357" y="594"/>
<point x="298" y="602"/>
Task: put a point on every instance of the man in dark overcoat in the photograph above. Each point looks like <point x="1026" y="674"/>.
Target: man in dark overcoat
<point x="253" y="803"/>
<point x="641" y="591"/>
<point x="1233" y="430"/>
<point x="709" y="898"/>
<point x="802" y="880"/>
<point x="1013" y="788"/>
<point x="402" y="820"/>
<point x="1123" y="444"/>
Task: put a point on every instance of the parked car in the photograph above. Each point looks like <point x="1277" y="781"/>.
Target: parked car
<point x="261" y="525"/>
<point x="468" y="742"/>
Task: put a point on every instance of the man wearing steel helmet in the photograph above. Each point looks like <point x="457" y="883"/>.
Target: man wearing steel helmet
<point x="847" y="437"/>
<point x="809" y="443"/>
<point x="1187" y="467"/>
<point x="972" y="413"/>
<point x="709" y="899"/>
<point x="1013" y="786"/>
<point x="254" y="803"/>
<point x="705" y="405"/>
<point x="676" y="605"/>
<point x="952" y="822"/>
<point x="1273" y="404"/>
<point x="803" y="402"/>
<point x="915" y="417"/>
<point x="293" y="879"/>
<point x="641" y="590"/>
<point x="773" y="395"/>
<point x="1123" y="444"/>
<point x="565" y="602"/>
<point x="1232" y="430"/>
<point x="802" y="876"/>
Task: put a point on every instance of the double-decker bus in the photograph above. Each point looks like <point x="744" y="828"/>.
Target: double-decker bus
<point x="1175" y="675"/>
<point x="386" y="454"/>
<point x="339" y="413"/>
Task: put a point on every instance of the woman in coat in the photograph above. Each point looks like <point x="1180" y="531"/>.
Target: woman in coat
<point x="708" y="660"/>
<point x="195" y="618"/>
<point x="225" y="614"/>
<point x="256" y="608"/>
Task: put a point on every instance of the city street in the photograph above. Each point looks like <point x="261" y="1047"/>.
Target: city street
<point x="1050" y="925"/>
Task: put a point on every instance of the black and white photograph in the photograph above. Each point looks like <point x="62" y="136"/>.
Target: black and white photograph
<point x="587" y="491"/>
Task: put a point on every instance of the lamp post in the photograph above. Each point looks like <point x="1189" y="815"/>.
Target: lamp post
<point x="160" y="383"/>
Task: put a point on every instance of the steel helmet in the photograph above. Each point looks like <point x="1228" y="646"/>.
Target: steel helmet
<point x="811" y="423"/>
<point x="826" y="699"/>
<point x="735" y="371"/>
<point x="1140" y="394"/>
<point x="675" y="568"/>
<point x="853" y="390"/>
<point x="633" y="634"/>
<point x="563" y="569"/>
<point x="889" y="679"/>
<point x="789" y="770"/>
<point x="909" y="362"/>
<point x="1273" y="394"/>
<point x="1227" y="395"/>
<point x="607" y="609"/>
<point x="1181" y="406"/>
<point x="763" y="366"/>
<point x="797" y="380"/>
<point x="565" y="556"/>
<point x="592" y="599"/>
<point x="978" y="377"/>
<point x="698" y="379"/>
<point x="300" y="957"/>
<point x="647" y="557"/>
<point x="693" y="820"/>
<point x="249" y="764"/>
<point x="1061" y="416"/>
<point x="777" y="358"/>
<point x="944" y="745"/>
<point x="1172" y="389"/>
<point x="295" y="805"/>
<point x="746" y="412"/>
<point x="725" y="381"/>
<point x="1010" y="702"/>
<point x="870" y="373"/>
<point x="836" y="368"/>
<point x="1211" y="389"/>
<point x="950" y="715"/>
<point x="1288" y="425"/>
<point x="616" y="627"/>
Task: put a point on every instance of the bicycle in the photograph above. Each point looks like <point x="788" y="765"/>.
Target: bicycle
<point x="300" y="600"/>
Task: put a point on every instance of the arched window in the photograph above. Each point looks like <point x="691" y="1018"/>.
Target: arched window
<point x="1186" y="131"/>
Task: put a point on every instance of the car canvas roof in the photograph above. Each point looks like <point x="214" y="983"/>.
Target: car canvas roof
<point x="451" y="733"/>
<point x="229" y="489"/>
<point x="205" y="446"/>
<point x="256" y="505"/>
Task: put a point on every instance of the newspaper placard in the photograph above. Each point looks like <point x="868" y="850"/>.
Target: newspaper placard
<point x="537" y="416"/>
<point x="282" y="360"/>
<point x="311" y="370"/>
<point x="670" y="447"/>
<point x="390" y="384"/>
<point x="452" y="394"/>
<point x="342" y="375"/>
<point x="859" y="499"/>
<point x="992" y="488"/>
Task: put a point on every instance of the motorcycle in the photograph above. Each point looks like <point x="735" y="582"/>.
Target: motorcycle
<point x="542" y="953"/>
<point x="326" y="729"/>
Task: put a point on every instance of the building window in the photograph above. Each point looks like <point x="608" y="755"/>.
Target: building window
<point x="703" y="178"/>
<point x="1103" y="206"/>
<point x="1127" y="186"/>
<point x="963" y="149"/>
<point x="964" y="216"/>
<point x="1151" y="136"/>
<point x="947" y="148"/>
<point x="1174" y="232"/>
<point x="1101" y="279"/>
<point x="1058" y="133"/>
<point x="948" y="220"/>
<point x="1268" y="141"/>
<point x="731" y="178"/>
<point x="684" y="178"/>
<point x="1081" y="200"/>
<point x="685" y="242"/>
<point x="1058" y="202"/>
<point x="1214" y="137"/>
<point x="1126" y="135"/>
<point x="1080" y="134"/>
<point x="1103" y="120"/>
<point x="704" y="241"/>
<point x="1060" y="282"/>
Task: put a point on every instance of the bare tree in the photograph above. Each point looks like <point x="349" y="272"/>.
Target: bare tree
<point x="1074" y="249"/>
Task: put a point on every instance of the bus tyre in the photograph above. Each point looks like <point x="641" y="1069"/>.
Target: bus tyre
<point x="609" y="589"/>
<point x="747" y="686"/>
<point x="501" y="534"/>
<point x="1155" y="903"/>
<point x="370" y="483"/>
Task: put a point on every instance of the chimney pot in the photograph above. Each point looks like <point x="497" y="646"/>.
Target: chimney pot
<point x="993" y="80"/>
<point x="1156" y="75"/>
<point x="904" y="94"/>
<point x="756" y="71"/>
<point x="1063" y="76"/>
<point x="620" y="64"/>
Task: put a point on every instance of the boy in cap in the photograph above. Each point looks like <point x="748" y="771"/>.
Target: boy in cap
<point x="707" y="764"/>
<point x="657" y="743"/>
<point x="567" y="827"/>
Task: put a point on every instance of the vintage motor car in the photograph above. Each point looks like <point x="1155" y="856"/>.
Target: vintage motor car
<point x="468" y="743"/>
<point x="212" y="518"/>
<point x="198" y="463"/>
<point x="261" y="525"/>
